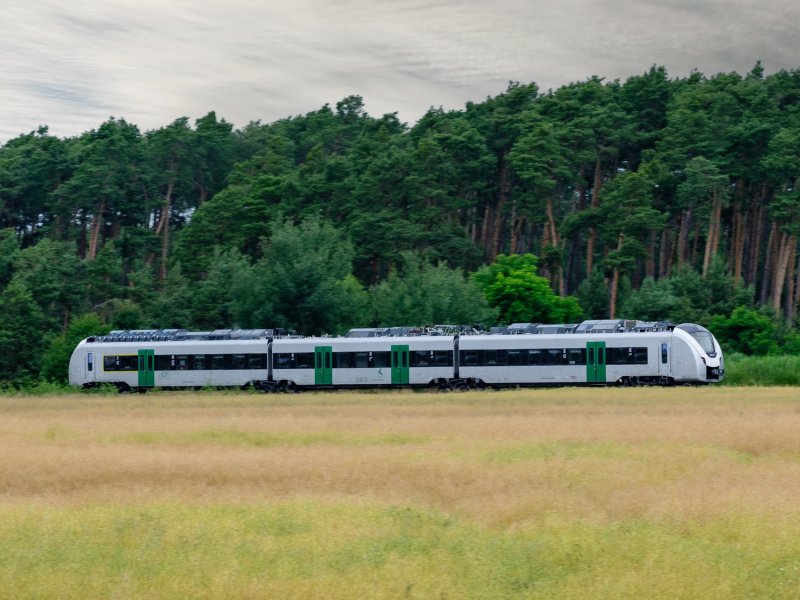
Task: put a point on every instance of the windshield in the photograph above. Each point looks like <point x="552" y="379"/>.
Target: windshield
<point x="706" y="341"/>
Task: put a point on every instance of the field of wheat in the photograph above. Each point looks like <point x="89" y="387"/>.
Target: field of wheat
<point x="554" y="493"/>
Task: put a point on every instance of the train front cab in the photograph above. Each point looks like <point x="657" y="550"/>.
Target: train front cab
<point x="82" y="367"/>
<point x="697" y="355"/>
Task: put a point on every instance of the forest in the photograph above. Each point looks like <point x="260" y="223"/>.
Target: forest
<point x="653" y="198"/>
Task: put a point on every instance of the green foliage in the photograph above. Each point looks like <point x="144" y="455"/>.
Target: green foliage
<point x="420" y="293"/>
<point x="747" y="331"/>
<point x="23" y="334"/>
<point x="181" y="226"/>
<point x="304" y="281"/>
<point x="512" y="286"/>
<point x="55" y="363"/>
<point x="761" y="370"/>
<point x="55" y="276"/>
<point x="593" y="295"/>
<point x="687" y="296"/>
<point x="9" y="250"/>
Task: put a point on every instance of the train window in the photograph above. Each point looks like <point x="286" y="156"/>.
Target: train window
<point x="442" y="358"/>
<point x="282" y="360"/>
<point x="361" y="360"/>
<point x="664" y="353"/>
<point x="380" y="359"/>
<point x="420" y="358"/>
<point x="217" y="362"/>
<point x="552" y="357"/>
<point x="254" y="361"/>
<point x="238" y="361"/>
<point x="199" y="362"/>
<point x="304" y="360"/>
<point x="404" y="359"/>
<point x="640" y="356"/>
<point x="535" y="357"/>
<point x="515" y="357"/>
<point x="626" y="356"/>
<point x="468" y="358"/>
<point x="124" y="362"/>
<point x="182" y="362"/>
<point x="502" y="358"/>
<point x="328" y="360"/>
<point x="576" y="356"/>
<point x="490" y="358"/>
<point x="342" y="360"/>
<point x="90" y="361"/>
<point x="163" y="362"/>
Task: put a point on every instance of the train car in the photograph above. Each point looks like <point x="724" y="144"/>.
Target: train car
<point x="687" y="353"/>
<point x="590" y="353"/>
<point x="362" y="361"/>
<point x="139" y="360"/>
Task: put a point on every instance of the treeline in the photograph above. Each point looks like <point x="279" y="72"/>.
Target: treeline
<point x="648" y="198"/>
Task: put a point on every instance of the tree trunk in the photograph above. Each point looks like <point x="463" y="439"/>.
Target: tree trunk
<point x="97" y="226"/>
<point x="713" y="231"/>
<point x="487" y="221"/>
<point x="82" y="234"/>
<point x="785" y="255"/>
<point x="612" y="303"/>
<point x="737" y="247"/>
<point x="789" y="307"/>
<point x="590" y="244"/>
<point x="683" y="236"/>
<point x="769" y="262"/>
<point x="166" y="210"/>
<point x="499" y="221"/>
<point x="796" y="297"/>
<point x="758" y="222"/>
<point x="650" y="260"/>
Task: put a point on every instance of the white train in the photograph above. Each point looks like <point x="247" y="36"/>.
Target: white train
<point x="591" y="353"/>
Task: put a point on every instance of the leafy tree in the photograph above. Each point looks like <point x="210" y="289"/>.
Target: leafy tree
<point x="420" y="293"/>
<point x="55" y="276"/>
<point x="9" y="250"/>
<point x="747" y="331"/>
<point x="593" y="295"/>
<point x="512" y="286"/>
<point x="23" y="334"/>
<point x="305" y="277"/>
<point x="55" y="362"/>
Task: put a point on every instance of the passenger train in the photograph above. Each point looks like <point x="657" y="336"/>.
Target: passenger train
<point x="590" y="353"/>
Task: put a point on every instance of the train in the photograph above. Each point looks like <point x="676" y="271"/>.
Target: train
<point x="597" y="352"/>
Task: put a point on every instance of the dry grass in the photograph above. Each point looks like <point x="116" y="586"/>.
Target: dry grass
<point x="672" y="474"/>
<point x="589" y="454"/>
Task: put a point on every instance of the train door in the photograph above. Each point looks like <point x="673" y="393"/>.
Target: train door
<point x="400" y="365"/>
<point x="663" y="358"/>
<point x="147" y="361"/>
<point x="596" y="362"/>
<point x="323" y="365"/>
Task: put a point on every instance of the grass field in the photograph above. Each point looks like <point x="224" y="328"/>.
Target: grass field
<point x="557" y="493"/>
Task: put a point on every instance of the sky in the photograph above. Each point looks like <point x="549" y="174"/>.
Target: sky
<point x="72" y="64"/>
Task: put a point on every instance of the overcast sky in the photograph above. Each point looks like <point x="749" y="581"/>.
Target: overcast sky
<point x="71" y="64"/>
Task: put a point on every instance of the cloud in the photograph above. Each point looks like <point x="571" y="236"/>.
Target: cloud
<point x="151" y="61"/>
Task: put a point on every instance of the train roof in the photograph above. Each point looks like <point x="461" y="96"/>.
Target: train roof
<point x="606" y="326"/>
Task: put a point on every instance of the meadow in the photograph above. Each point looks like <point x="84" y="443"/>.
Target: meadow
<point x="545" y="493"/>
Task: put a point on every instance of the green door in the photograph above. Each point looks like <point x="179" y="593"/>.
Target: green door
<point x="323" y="365"/>
<point x="596" y="362"/>
<point x="147" y="361"/>
<point x="400" y="365"/>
